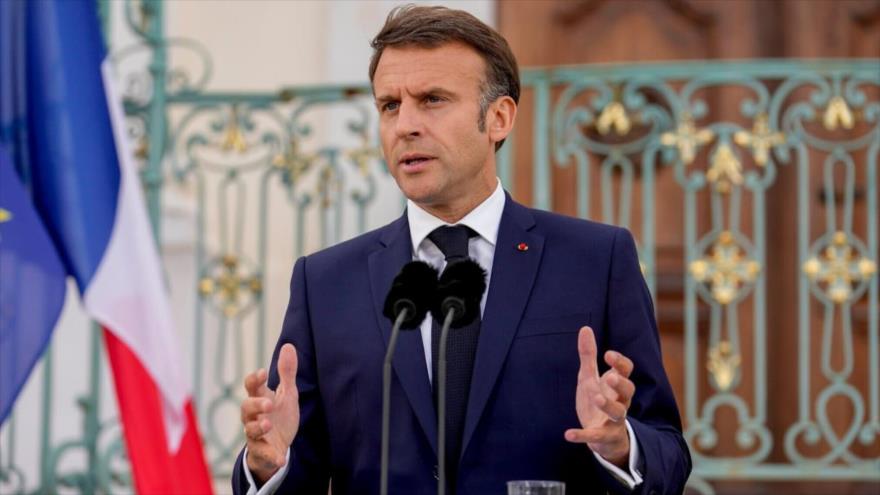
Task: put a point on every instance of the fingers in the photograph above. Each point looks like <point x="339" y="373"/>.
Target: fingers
<point x="252" y="407"/>
<point x="255" y="383"/>
<point x="619" y="362"/>
<point x="588" y="354"/>
<point x="615" y="410"/>
<point x="287" y="365"/>
<point x="622" y="388"/>
<point x="254" y="430"/>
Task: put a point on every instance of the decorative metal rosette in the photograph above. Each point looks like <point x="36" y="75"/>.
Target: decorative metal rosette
<point x="839" y="268"/>
<point x="232" y="284"/>
<point x="726" y="268"/>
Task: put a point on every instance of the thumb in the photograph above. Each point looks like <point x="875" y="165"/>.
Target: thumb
<point x="287" y="364"/>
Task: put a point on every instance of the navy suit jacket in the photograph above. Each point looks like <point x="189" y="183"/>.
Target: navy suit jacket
<point x="522" y="396"/>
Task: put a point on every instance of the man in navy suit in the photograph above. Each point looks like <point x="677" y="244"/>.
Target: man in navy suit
<point x="560" y="378"/>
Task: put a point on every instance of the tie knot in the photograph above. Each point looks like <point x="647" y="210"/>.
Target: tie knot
<point x="452" y="240"/>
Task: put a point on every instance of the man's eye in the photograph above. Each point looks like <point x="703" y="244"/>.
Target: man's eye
<point x="433" y="99"/>
<point x="390" y="106"/>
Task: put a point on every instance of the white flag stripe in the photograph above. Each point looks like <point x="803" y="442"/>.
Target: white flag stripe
<point x="127" y="293"/>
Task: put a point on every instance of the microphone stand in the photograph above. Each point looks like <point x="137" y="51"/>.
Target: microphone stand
<point x="386" y="397"/>
<point x="441" y="399"/>
<point x="460" y="288"/>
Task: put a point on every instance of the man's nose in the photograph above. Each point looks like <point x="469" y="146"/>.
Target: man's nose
<point x="409" y="121"/>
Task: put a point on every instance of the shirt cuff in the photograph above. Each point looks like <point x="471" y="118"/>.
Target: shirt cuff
<point x="272" y="485"/>
<point x="633" y="478"/>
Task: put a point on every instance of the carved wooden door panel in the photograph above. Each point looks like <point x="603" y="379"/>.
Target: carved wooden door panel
<point x="761" y="232"/>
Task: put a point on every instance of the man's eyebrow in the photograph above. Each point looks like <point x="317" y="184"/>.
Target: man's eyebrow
<point x="385" y="98"/>
<point x="436" y="91"/>
<point x="421" y="94"/>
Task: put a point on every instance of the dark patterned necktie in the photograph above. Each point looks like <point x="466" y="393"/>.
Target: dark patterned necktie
<point x="460" y="353"/>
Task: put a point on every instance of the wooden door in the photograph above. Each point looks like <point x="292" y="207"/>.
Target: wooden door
<point x="560" y="32"/>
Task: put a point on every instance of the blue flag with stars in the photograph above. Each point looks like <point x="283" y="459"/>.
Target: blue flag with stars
<point x="32" y="285"/>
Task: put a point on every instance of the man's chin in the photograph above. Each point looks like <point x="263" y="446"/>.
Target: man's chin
<point x="419" y="193"/>
<point x="421" y="199"/>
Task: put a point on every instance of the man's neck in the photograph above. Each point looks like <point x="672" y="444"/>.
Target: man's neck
<point x="452" y="213"/>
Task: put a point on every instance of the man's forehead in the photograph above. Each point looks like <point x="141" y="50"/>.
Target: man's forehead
<point x="417" y="68"/>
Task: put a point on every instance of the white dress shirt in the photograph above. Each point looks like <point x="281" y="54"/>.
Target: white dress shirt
<point x="484" y="220"/>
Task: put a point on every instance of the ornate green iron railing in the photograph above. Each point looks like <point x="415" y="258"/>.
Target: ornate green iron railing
<point x="276" y="175"/>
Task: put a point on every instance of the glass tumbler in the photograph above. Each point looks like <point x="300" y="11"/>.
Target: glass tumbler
<point x="534" y="487"/>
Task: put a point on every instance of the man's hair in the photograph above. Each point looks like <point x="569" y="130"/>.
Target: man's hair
<point x="431" y="27"/>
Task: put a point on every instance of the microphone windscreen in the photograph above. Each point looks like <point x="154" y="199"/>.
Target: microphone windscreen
<point x="463" y="279"/>
<point x="416" y="283"/>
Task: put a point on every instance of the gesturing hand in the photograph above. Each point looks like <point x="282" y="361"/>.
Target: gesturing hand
<point x="602" y="402"/>
<point x="270" y="419"/>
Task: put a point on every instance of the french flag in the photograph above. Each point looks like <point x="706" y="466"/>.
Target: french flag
<point x="64" y="125"/>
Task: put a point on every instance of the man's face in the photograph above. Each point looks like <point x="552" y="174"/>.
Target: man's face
<point x="428" y="102"/>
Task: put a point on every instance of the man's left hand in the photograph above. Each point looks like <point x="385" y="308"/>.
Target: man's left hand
<point x="602" y="402"/>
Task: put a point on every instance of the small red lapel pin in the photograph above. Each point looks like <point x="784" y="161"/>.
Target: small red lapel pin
<point x="522" y="247"/>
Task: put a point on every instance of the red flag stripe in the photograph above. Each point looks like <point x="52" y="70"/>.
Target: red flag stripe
<point x="155" y="469"/>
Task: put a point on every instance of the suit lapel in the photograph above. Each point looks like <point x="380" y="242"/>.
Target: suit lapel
<point x="513" y="274"/>
<point x="409" y="357"/>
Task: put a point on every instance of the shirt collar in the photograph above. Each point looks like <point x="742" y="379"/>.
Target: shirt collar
<point x="484" y="219"/>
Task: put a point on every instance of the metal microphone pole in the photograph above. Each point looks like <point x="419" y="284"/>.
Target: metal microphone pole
<point x="386" y="397"/>
<point x="406" y="304"/>
<point x="441" y="402"/>
<point x="460" y="288"/>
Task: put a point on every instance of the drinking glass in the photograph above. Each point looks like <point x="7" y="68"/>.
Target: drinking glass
<point x="535" y="487"/>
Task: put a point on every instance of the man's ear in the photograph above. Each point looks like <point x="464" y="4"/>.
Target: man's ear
<point x="500" y="118"/>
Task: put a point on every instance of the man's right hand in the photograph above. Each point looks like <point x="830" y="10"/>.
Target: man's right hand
<point x="270" y="419"/>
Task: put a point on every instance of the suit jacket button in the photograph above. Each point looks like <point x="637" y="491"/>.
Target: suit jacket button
<point x="436" y="472"/>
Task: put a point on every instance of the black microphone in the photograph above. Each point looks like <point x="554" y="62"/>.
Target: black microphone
<point x="410" y="298"/>
<point x="457" y="304"/>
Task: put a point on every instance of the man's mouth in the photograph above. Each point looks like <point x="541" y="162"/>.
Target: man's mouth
<point x="413" y="160"/>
